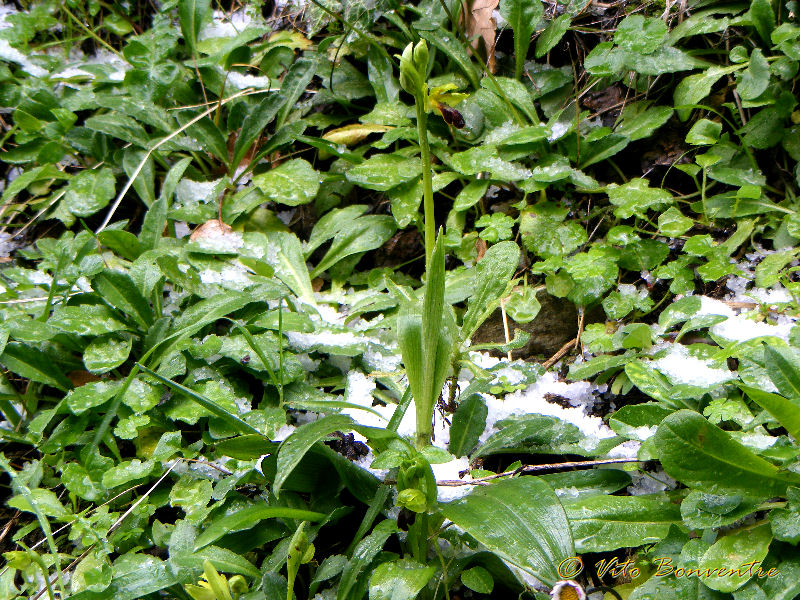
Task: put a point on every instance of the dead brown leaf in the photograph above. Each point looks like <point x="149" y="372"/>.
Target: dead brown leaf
<point x="481" y="28"/>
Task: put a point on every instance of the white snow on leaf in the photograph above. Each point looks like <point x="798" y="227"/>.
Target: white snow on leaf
<point x="681" y="367"/>
<point x="739" y="327"/>
<point x="242" y="81"/>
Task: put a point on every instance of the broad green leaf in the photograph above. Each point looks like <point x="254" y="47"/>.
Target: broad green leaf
<point x="106" y="352"/>
<point x="754" y="80"/>
<point x="117" y="288"/>
<point x="223" y="560"/>
<point x="548" y="434"/>
<point x="470" y="194"/>
<point x="249" y="517"/>
<point x="292" y="183"/>
<point x="704" y="133"/>
<point x="87" y="319"/>
<point x="285" y="254"/>
<point x="732" y="551"/>
<point x="257" y="119"/>
<point x="293" y="86"/>
<point x="154" y="222"/>
<point x="468" y="424"/>
<point x="672" y="222"/>
<point x="782" y="368"/>
<point x="643" y="35"/>
<point x="638" y="124"/>
<point x="572" y="484"/>
<point x="360" y="235"/>
<point x="605" y="523"/>
<point x="90" y="395"/>
<point x="31" y="363"/>
<point x="547" y="236"/>
<point x="593" y="273"/>
<point x="699" y="454"/>
<point x="295" y="447"/>
<point x="636" y="197"/>
<point x="693" y="88"/>
<point x="521" y="520"/>
<point x="492" y="276"/>
<point x="384" y="171"/>
<point x="783" y="410"/>
<point x="703" y="511"/>
<point x="478" y="580"/>
<point x="364" y="553"/>
<point x="127" y="471"/>
<point x="650" y="381"/>
<point x="768" y="270"/>
<point x="638" y="422"/>
<point x="785" y="522"/>
<point x="452" y="47"/>
<point x="399" y="580"/>
<point x="763" y="18"/>
<point x="44" y="500"/>
<point x="522" y="16"/>
<point x="330" y="224"/>
<point x="192" y="15"/>
<point x="551" y="35"/>
<point x="134" y="576"/>
<point x="89" y="191"/>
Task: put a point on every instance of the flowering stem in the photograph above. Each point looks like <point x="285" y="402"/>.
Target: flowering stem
<point x="427" y="180"/>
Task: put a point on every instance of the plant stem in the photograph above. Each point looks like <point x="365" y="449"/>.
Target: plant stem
<point x="427" y="180"/>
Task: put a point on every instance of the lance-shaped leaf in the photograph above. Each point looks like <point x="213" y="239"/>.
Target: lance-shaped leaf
<point x="191" y="14"/>
<point x="521" y="520"/>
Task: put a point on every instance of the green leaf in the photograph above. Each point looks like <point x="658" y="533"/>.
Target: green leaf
<point x="636" y="197"/>
<point x="783" y="410"/>
<point x="492" y="276"/>
<point x="89" y="191"/>
<point x="285" y="254"/>
<point x="701" y="455"/>
<point x="521" y="520"/>
<point x="192" y="15"/>
<point x="134" y="576"/>
<point x="44" y="500"/>
<point x="292" y="183"/>
<point x="294" y="448"/>
<point x="755" y="79"/>
<point x="364" y="553"/>
<point x="223" y="560"/>
<point x="551" y="36"/>
<point x="294" y="85"/>
<point x="257" y="119"/>
<point x="547" y="236"/>
<point x="786" y="521"/>
<point x="232" y="420"/>
<point x="704" y="133"/>
<point x="763" y="18"/>
<point x="127" y="471"/>
<point x="768" y="270"/>
<point x="356" y="236"/>
<point x="246" y="447"/>
<point x="593" y="274"/>
<point x="453" y="49"/>
<point x="384" y="171"/>
<point x="470" y="195"/>
<point x="733" y="550"/>
<point x="118" y="289"/>
<point x="468" y="424"/>
<point x="643" y="35"/>
<point x="399" y="580"/>
<point x="650" y="381"/>
<point x="783" y="372"/>
<point x="522" y="16"/>
<point x="605" y="523"/>
<point x="249" y="517"/>
<point x="90" y="395"/>
<point x="693" y="88"/>
<point x="478" y="580"/>
<point x="106" y="352"/>
<point x="672" y="222"/>
<point x="31" y="363"/>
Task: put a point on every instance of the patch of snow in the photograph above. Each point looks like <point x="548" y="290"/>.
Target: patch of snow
<point x="221" y="26"/>
<point x="681" y="367"/>
<point x="13" y="55"/>
<point x="644" y="483"/>
<point x="738" y="327"/>
<point x="286" y="215"/>
<point x="283" y="433"/>
<point x="233" y="277"/>
<point x="242" y="81"/>
<point x="557" y="131"/>
<point x="532" y="401"/>
<point x="450" y="471"/>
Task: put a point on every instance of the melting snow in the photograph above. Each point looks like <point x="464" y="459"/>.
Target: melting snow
<point x="681" y="367"/>
<point x="739" y="328"/>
